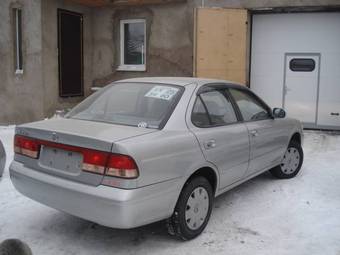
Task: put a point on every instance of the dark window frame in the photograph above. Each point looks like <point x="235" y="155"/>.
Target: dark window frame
<point x="302" y="68"/>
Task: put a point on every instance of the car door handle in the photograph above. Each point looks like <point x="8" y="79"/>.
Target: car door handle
<point x="210" y="144"/>
<point x="254" y="133"/>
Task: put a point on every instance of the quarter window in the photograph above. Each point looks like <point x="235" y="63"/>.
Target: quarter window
<point x="213" y="108"/>
<point x="132" y="45"/>
<point x="302" y="65"/>
<point x="199" y="115"/>
<point x="17" y="18"/>
<point x="250" y="108"/>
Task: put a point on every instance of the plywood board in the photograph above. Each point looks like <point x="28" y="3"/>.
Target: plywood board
<point x="221" y="44"/>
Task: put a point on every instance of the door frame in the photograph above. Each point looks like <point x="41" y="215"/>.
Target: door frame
<point x="80" y="15"/>
<point x="302" y="54"/>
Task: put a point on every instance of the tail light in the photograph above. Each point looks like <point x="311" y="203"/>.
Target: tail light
<point x="121" y="166"/>
<point x="98" y="162"/>
<point x="26" y="146"/>
<point x="94" y="161"/>
<point x="115" y="165"/>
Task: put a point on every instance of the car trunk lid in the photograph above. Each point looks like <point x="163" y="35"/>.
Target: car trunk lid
<point x="63" y="142"/>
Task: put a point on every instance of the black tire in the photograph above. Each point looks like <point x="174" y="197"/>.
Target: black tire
<point x="281" y="172"/>
<point x="177" y="224"/>
<point x="15" y="247"/>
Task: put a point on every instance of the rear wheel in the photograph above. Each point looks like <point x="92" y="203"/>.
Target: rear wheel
<point x="291" y="162"/>
<point x="193" y="209"/>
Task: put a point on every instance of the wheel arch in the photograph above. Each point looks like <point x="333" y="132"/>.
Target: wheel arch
<point x="296" y="137"/>
<point x="209" y="172"/>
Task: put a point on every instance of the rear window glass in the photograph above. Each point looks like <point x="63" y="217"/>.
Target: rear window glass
<point x="302" y="65"/>
<point x="133" y="104"/>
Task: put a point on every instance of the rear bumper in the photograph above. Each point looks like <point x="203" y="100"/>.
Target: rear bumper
<point x="112" y="207"/>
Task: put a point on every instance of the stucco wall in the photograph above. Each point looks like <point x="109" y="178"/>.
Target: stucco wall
<point x="169" y="41"/>
<point x="52" y="101"/>
<point x="169" y="35"/>
<point x="21" y="95"/>
<point x="34" y="94"/>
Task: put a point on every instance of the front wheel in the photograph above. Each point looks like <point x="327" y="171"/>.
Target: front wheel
<point x="193" y="209"/>
<point x="291" y="162"/>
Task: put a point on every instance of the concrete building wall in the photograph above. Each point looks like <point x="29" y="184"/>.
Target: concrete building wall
<point x="51" y="99"/>
<point x="169" y="35"/>
<point x="35" y="94"/>
<point x="21" y="94"/>
<point x="169" y="41"/>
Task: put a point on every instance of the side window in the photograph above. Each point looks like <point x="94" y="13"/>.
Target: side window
<point x="213" y="109"/>
<point x="251" y="109"/>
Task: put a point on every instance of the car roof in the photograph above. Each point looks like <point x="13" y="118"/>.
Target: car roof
<point x="179" y="81"/>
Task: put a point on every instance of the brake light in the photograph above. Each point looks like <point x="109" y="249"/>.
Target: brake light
<point x="121" y="166"/>
<point x="94" y="161"/>
<point x="26" y="146"/>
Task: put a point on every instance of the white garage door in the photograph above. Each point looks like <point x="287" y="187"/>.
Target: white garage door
<point x="295" y="64"/>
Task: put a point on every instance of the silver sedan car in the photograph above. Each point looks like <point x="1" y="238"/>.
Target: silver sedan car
<point x="149" y="149"/>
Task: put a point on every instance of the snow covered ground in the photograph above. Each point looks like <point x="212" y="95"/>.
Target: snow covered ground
<point x="262" y="216"/>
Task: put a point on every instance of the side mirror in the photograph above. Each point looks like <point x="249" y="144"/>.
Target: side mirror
<point x="279" y="113"/>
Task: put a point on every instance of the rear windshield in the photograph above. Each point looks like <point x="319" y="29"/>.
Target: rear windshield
<point x="134" y="104"/>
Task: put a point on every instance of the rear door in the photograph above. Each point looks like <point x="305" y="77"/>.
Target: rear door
<point x="267" y="136"/>
<point x="223" y="139"/>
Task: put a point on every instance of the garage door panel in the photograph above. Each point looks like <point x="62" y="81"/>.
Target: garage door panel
<point x="329" y="102"/>
<point x="275" y="36"/>
<point x="332" y="64"/>
<point x="268" y="89"/>
<point x="270" y="63"/>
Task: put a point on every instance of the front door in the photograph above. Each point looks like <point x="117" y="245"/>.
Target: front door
<point x="300" y="99"/>
<point x="70" y="53"/>
<point x="223" y="139"/>
<point x="267" y="136"/>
